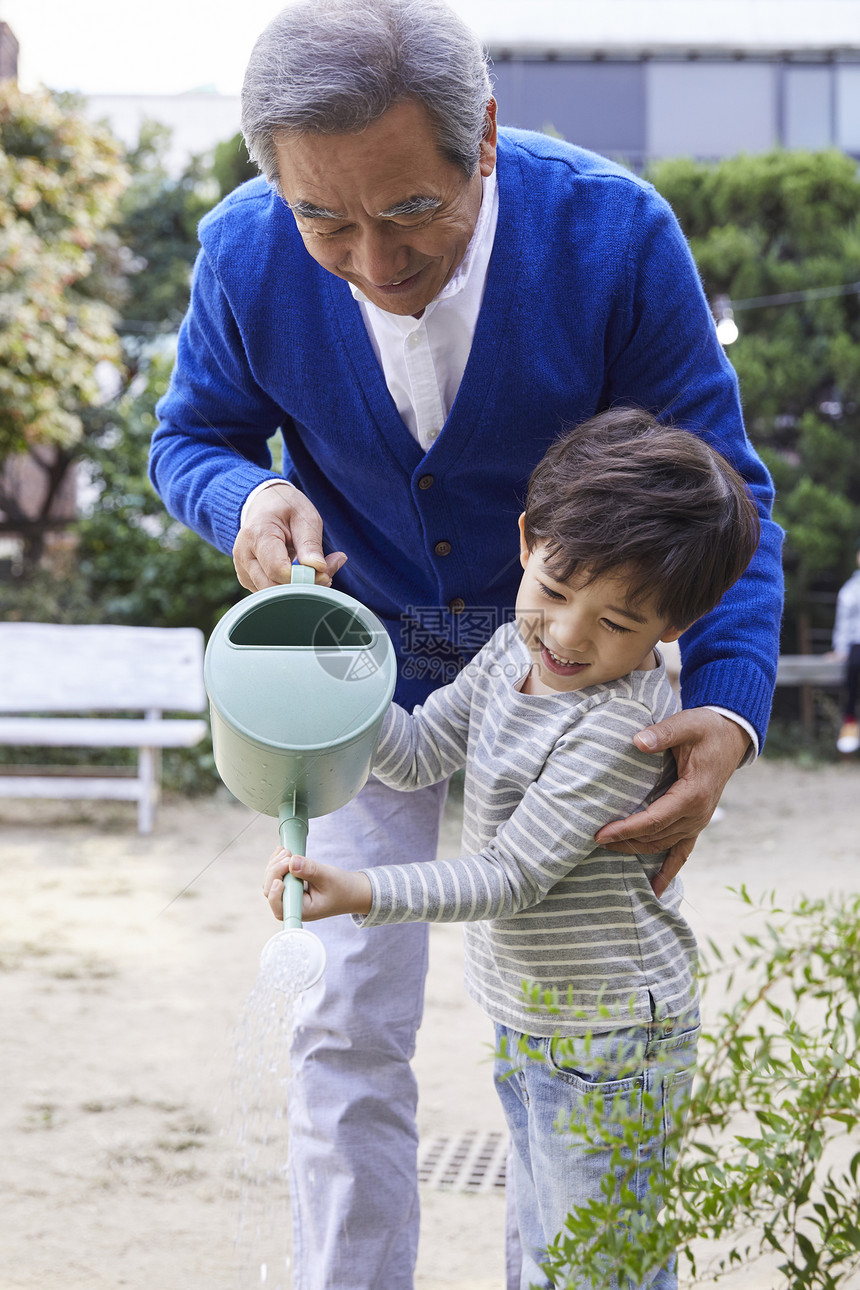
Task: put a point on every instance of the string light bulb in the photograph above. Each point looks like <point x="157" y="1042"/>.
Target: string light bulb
<point x="724" y="317"/>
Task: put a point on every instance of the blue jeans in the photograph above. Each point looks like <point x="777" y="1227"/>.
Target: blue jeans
<point x="645" y="1070"/>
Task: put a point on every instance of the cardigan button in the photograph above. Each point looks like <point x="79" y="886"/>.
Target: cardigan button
<point x="457" y="605"/>
<point x="442" y="548"/>
<point x="425" y="482"/>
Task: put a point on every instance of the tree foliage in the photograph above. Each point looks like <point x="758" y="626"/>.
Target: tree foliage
<point x="778" y="224"/>
<point x="231" y="164"/>
<point x="60" y="181"/>
<point x="157" y="223"/>
<point x="109" y="248"/>
<point x="138" y="563"/>
<point x="133" y="563"/>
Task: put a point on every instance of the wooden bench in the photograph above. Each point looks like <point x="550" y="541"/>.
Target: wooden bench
<point x="810" y="669"/>
<point x="48" y="669"/>
<point x="812" y="674"/>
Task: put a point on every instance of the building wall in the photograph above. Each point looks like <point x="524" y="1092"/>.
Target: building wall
<point x="637" y="109"/>
<point x="633" y="108"/>
<point x="198" y="121"/>
<point x="8" y="53"/>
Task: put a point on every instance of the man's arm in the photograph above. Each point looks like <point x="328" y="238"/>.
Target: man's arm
<point x="671" y="362"/>
<point x="665" y="356"/>
<point x="210" y="449"/>
<point x="280" y="524"/>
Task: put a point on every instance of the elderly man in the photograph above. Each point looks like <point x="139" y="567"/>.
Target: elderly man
<point x="419" y="302"/>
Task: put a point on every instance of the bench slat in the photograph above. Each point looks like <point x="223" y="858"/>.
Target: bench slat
<point x="74" y="771"/>
<point x="95" y="732"/>
<point x="51" y="667"/>
<point x="809" y="669"/>
<point x="119" y="790"/>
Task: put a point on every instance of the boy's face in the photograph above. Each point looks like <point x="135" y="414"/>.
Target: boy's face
<point x="580" y="635"/>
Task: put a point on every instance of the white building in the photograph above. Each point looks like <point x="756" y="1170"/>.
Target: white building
<point x="198" y="120"/>
<point x="632" y="78"/>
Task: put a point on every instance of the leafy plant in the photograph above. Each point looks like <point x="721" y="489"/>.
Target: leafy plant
<point x="767" y="1165"/>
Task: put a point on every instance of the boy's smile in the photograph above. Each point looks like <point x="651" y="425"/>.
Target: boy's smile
<point x="582" y="633"/>
<point x="561" y="666"/>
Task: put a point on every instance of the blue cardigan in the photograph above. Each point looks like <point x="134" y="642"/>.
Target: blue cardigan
<point x="592" y="299"/>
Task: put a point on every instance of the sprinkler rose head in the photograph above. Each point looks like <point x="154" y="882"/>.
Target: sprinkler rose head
<point x="293" y="960"/>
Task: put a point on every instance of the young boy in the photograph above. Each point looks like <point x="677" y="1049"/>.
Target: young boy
<point x="631" y="531"/>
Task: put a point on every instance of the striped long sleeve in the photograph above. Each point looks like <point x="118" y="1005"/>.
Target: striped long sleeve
<point x="543" y="774"/>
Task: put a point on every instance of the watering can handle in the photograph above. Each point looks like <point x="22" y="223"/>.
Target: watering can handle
<point x="293" y="832"/>
<point x="302" y="573"/>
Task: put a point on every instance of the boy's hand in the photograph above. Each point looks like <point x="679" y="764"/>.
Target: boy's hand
<point x="329" y="891"/>
<point x="708" y="748"/>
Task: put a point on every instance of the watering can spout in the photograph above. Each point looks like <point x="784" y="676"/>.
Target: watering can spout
<point x="293" y="832"/>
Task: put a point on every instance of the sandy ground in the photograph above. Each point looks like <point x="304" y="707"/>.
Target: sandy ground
<point x="137" y="1150"/>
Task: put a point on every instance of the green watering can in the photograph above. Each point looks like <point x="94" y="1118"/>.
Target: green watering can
<point x="299" y="678"/>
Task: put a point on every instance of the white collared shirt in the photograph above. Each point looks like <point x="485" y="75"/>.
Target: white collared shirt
<point x="423" y="359"/>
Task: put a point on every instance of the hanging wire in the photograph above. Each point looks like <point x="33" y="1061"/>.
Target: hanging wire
<point x="724" y="308"/>
<point x="795" y="297"/>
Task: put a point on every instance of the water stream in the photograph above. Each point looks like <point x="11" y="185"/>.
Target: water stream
<point x="259" y="1136"/>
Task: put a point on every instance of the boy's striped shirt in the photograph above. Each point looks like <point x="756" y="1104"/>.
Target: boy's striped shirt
<point x="544" y="905"/>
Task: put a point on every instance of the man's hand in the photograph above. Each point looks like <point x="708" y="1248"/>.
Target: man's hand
<point x="330" y="891"/>
<point x="281" y="524"/>
<point x="708" y="748"/>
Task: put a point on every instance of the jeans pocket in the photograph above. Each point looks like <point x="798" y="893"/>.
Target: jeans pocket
<point x="611" y="1063"/>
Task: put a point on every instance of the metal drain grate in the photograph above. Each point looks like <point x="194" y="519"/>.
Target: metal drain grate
<point x="472" y="1162"/>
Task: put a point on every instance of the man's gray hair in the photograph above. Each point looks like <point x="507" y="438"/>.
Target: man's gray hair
<point x="336" y="66"/>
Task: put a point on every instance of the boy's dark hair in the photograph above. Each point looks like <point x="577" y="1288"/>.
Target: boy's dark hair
<point x="623" y="491"/>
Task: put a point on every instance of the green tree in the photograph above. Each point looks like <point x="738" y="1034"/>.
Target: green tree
<point x="109" y="250"/>
<point x="132" y="563"/>
<point x="785" y="224"/>
<point x="157" y="225"/>
<point x="60" y="181"/>
<point x="232" y="165"/>
<point x="138" y="564"/>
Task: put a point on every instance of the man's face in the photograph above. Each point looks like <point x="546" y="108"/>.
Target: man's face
<point x="382" y="208"/>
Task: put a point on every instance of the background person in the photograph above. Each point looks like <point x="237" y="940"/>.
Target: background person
<point x="846" y="646"/>
<point x="419" y="302"/>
